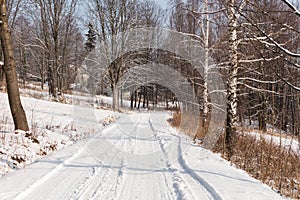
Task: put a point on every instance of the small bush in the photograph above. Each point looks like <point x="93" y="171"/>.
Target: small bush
<point x="188" y="125"/>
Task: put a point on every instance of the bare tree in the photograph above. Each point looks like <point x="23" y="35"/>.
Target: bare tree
<point x="12" y="8"/>
<point x="56" y="20"/>
<point x="115" y="17"/>
<point x="17" y="110"/>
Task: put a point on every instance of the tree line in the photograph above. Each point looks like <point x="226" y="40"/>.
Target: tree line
<point x="255" y="46"/>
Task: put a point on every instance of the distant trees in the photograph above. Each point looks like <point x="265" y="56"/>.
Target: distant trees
<point x="255" y="46"/>
<point x="48" y="42"/>
<point x="114" y="17"/>
<point x="43" y="41"/>
<point x="56" y="32"/>
<point x="264" y="30"/>
<point x="198" y="19"/>
<point x="278" y="45"/>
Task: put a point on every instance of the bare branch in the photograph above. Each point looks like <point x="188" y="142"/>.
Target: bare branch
<point x="290" y="5"/>
<point x="286" y="51"/>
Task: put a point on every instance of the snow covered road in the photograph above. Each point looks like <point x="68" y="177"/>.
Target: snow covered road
<point x="138" y="157"/>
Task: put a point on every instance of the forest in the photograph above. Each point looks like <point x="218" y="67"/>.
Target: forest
<point x="67" y="46"/>
<point x="255" y="46"/>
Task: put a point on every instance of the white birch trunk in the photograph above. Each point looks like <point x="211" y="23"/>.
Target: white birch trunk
<point x="206" y="64"/>
<point x="232" y="78"/>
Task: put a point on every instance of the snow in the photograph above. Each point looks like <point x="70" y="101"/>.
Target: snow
<point x="53" y="126"/>
<point x="277" y="136"/>
<point x="137" y="157"/>
<point x="284" y="141"/>
<point x="76" y="98"/>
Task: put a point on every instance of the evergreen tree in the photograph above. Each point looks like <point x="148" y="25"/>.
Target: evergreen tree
<point x="91" y="38"/>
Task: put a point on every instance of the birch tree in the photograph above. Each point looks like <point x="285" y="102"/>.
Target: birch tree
<point x="263" y="27"/>
<point x="232" y="78"/>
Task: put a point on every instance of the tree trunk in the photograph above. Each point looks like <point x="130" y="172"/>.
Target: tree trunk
<point x="206" y="65"/>
<point x="42" y="75"/>
<point x="121" y="98"/>
<point x="153" y="97"/>
<point x="262" y="117"/>
<point x="147" y="98"/>
<point x="167" y="103"/>
<point x="131" y="100"/>
<point x="144" y="96"/>
<point x="51" y="81"/>
<point x="135" y="97"/>
<point x="2" y="77"/>
<point x="16" y="108"/>
<point x="231" y="110"/>
<point x="140" y="98"/>
<point x="115" y="103"/>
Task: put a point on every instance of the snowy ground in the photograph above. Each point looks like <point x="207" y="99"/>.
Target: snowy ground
<point x="78" y="98"/>
<point x="53" y="125"/>
<point x="137" y="157"/>
<point x="285" y="141"/>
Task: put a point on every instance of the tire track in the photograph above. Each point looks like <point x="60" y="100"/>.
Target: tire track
<point x="203" y="183"/>
<point x="177" y="179"/>
<point x="135" y="182"/>
<point x="49" y="175"/>
<point x="106" y="188"/>
<point x="96" y="188"/>
<point x="210" y="189"/>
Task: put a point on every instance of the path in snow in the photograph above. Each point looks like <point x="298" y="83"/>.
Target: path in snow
<point x="138" y="157"/>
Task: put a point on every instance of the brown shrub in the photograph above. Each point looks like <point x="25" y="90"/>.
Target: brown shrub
<point x="189" y="125"/>
<point x="268" y="162"/>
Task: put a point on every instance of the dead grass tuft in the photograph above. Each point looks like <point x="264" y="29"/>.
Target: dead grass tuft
<point x="189" y="125"/>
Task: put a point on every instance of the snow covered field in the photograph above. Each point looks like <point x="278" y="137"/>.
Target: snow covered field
<point x="77" y="98"/>
<point x="137" y="157"/>
<point x="54" y="125"/>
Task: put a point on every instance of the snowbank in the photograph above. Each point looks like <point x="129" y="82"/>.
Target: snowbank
<point x="53" y="125"/>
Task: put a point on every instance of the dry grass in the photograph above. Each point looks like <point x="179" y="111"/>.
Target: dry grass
<point x="274" y="165"/>
<point x="31" y="86"/>
<point x="270" y="131"/>
<point x="188" y="125"/>
<point x="175" y="120"/>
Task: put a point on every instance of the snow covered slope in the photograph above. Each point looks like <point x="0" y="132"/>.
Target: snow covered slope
<point x="54" y="125"/>
<point x="138" y="157"/>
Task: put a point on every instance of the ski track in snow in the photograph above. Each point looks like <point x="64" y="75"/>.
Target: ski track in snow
<point x="137" y="157"/>
<point x="48" y="176"/>
<point x="180" y="187"/>
<point x="211" y="192"/>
